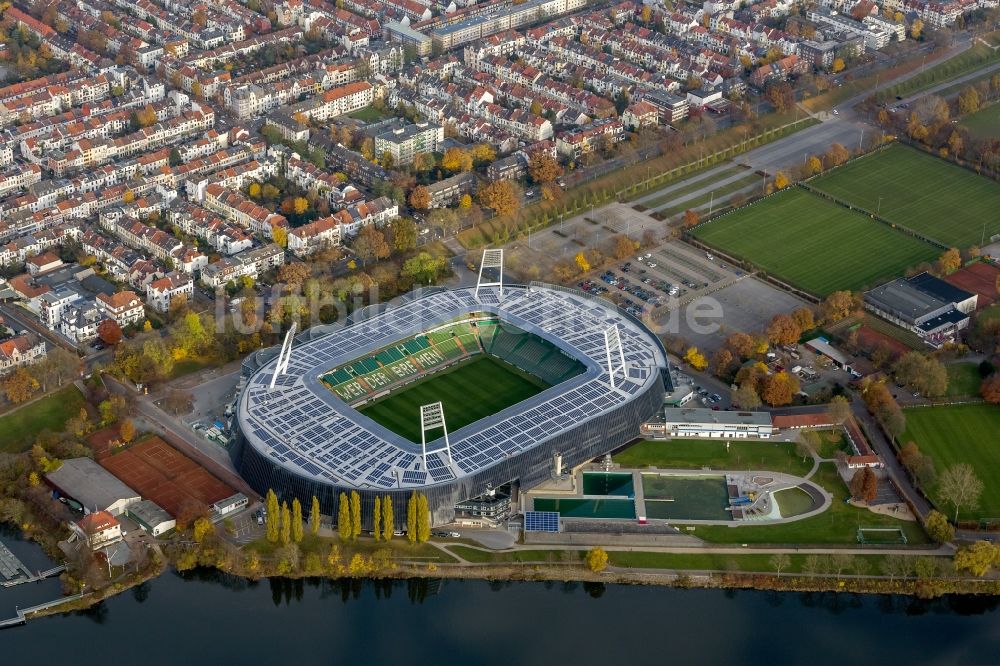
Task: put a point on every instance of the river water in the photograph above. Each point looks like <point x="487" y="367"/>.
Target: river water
<point x="212" y="618"/>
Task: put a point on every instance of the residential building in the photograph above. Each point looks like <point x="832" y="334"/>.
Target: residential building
<point x="404" y="142"/>
<point x="160" y="293"/>
<point x="124" y="307"/>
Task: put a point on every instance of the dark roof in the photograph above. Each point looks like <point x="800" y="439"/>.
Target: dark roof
<point x="939" y="288"/>
<point x="952" y="316"/>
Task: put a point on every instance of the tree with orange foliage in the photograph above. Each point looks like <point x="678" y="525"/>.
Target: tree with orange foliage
<point x="779" y="389"/>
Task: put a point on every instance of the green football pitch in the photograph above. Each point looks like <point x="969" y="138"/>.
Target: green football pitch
<point x="941" y="200"/>
<point x="815" y="244"/>
<point x="469" y="391"/>
<point x="961" y="434"/>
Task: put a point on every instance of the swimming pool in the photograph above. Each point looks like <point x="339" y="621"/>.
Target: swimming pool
<point x="680" y="497"/>
<point x="587" y="508"/>
<point x="608" y="483"/>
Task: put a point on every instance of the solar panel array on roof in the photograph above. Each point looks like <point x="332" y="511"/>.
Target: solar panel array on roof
<point x="303" y="425"/>
<point x="541" y="521"/>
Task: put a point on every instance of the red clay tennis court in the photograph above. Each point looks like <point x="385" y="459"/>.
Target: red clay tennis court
<point x="163" y="474"/>
<point x="979" y="279"/>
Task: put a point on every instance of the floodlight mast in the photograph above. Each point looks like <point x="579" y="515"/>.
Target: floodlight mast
<point x="492" y="258"/>
<point x="613" y="347"/>
<point x="432" y="417"/>
<point x="284" y="356"/>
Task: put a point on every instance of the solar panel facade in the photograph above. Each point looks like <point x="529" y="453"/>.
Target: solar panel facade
<point x="304" y="440"/>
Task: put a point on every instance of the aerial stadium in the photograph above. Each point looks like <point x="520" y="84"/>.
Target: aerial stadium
<point x="451" y="393"/>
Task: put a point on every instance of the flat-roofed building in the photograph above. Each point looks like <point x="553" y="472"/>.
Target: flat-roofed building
<point x="707" y="423"/>
<point x="924" y="304"/>
<point x="92" y="486"/>
<point x="151" y="517"/>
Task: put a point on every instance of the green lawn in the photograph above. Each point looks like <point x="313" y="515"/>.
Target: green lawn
<point x="751" y="562"/>
<point x="961" y="434"/>
<point x="984" y="124"/>
<point x="470" y="390"/>
<point x="838" y="524"/>
<point x="369" y="114"/>
<point x="963" y="380"/>
<point x="19" y="429"/>
<point x="929" y="195"/>
<point x="712" y="453"/>
<point x="793" y="501"/>
<point x="815" y="244"/>
<point x="477" y="555"/>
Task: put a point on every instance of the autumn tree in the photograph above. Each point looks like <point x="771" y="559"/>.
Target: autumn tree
<point x="695" y="358"/>
<point x="960" y="487"/>
<point x="691" y="218"/>
<point x="20" y="385"/>
<point x="597" y="559"/>
<point x="314" y="516"/>
<point x="403" y="231"/>
<point x="624" y="247"/>
<point x="722" y="363"/>
<point x="456" y="159"/>
<point x="938" y="527"/>
<point x="543" y="168"/>
<point x="921" y="373"/>
<point x="286" y="524"/>
<point x="423" y="519"/>
<point x="483" y="153"/>
<point x="127" y="430"/>
<point x="916" y="28"/>
<point x="779" y="389"/>
<point x="839" y="409"/>
<point x="837" y="306"/>
<point x="836" y="155"/>
<point x="377" y="519"/>
<point x="990" y="389"/>
<point x="864" y="484"/>
<point x="388" y="520"/>
<point x="424" y="268"/>
<point x="741" y="344"/>
<point x="109" y="332"/>
<point x="837" y="66"/>
<point x="977" y="558"/>
<point x="745" y="396"/>
<point x="355" y="514"/>
<point x="294" y="273"/>
<point x="781" y="180"/>
<point x="370" y="244"/>
<point x="581" y="261"/>
<point x="411" y="518"/>
<point x="949" y="261"/>
<point x="344" y="517"/>
<point x="273" y="517"/>
<point x="783" y="330"/>
<point x="815" y="165"/>
<point x="280" y="236"/>
<point x="420" y="198"/>
<point x="502" y="197"/>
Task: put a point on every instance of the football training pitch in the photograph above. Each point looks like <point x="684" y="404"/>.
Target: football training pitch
<point x="469" y="391"/>
<point x="961" y="434"/>
<point x="815" y="244"/>
<point x="938" y="199"/>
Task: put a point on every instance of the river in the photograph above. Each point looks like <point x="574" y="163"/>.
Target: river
<point x="211" y="618"/>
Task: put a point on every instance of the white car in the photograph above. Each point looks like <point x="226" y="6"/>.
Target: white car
<point x="836" y="113"/>
<point x="651" y="264"/>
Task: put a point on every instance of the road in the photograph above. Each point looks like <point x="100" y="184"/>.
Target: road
<point x="180" y="435"/>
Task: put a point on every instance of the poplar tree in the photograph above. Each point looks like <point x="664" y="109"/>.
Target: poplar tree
<point x="344" y="517"/>
<point x="377" y="519"/>
<point x="388" y="520"/>
<point x="314" y="517"/>
<point x="286" y="524"/>
<point x="273" y="517"/>
<point x="411" y="518"/>
<point x="423" y="519"/>
<point x="355" y="514"/>
<point x="296" y="520"/>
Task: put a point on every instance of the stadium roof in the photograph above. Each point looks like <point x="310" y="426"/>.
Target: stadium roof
<point x="308" y="429"/>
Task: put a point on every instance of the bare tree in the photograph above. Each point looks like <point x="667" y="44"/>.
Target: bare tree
<point x="897" y="566"/>
<point x="960" y="487"/>
<point x="812" y="565"/>
<point x="780" y="561"/>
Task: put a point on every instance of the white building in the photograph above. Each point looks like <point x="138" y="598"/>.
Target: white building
<point x="706" y="423"/>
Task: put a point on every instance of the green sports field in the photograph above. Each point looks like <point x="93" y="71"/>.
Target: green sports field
<point x="984" y="124"/>
<point x="815" y="244"/>
<point x="469" y="390"/>
<point x="961" y="434"/>
<point x="921" y="192"/>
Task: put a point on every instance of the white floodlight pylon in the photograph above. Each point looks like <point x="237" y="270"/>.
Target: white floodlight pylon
<point x="431" y="417"/>
<point x="613" y="344"/>
<point x="492" y="258"/>
<point x="284" y="356"/>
